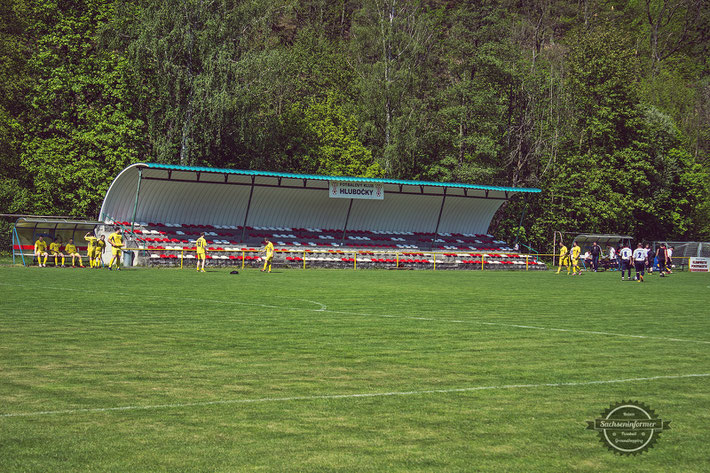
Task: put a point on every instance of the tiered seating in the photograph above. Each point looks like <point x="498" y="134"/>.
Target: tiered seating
<point x="232" y="244"/>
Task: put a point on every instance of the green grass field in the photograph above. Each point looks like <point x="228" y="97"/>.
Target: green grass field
<point x="338" y="370"/>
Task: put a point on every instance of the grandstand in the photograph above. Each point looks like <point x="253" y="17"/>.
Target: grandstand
<point x="414" y="224"/>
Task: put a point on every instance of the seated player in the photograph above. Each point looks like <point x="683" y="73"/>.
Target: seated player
<point x="116" y="240"/>
<point x="269" y="250"/>
<point x="40" y="252"/>
<point x="99" y="251"/>
<point x="91" y="248"/>
<point x="55" y="250"/>
<point x="74" y="253"/>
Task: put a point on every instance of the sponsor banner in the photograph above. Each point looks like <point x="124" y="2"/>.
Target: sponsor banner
<point x="356" y="190"/>
<point x="699" y="265"/>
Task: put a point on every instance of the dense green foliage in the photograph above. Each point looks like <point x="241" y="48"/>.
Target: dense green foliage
<point x="603" y="105"/>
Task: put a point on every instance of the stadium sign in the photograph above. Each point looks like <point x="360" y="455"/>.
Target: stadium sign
<point x="699" y="265"/>
<point x="356" y="190"/>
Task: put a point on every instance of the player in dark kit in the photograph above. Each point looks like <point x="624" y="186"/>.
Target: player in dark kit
<point x="596" y="253"/>
<point x="649" y="258"/>
<point x="662" y="258"/>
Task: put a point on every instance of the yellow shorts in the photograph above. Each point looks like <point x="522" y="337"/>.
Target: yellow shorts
<point x="201" y="253"/>
<point x="116" y="251"/>
<point x="56" y="253"/>
<point x="91" y="253"/>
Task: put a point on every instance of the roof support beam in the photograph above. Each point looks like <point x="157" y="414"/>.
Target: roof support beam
<point x="347" y="218"/>
<point x="246" y="214"/>
<point x="135" y="202"/>
<point x="438" y="221"/>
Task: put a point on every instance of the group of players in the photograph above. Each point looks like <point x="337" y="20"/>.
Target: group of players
<point x="96" y="245"/>
<point x="95" y="250"/>
<point x="641" y="259"/>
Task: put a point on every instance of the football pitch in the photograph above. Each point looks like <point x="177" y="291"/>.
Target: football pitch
<point x="149" y="370"/>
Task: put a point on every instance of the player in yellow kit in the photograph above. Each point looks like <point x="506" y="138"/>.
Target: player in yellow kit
<point x="116" y="240"/>
<point x="41" y="251"/>
<point x="576" y="250"/>
<point x="91" y="248"/>
<point x="74" y="253"/>
<point x="269" y="250"/>
<point x="55" y="250"/>
<point x="564" y="258"/>
<point x="99" y="251"/>
<point x="201" y="246"/>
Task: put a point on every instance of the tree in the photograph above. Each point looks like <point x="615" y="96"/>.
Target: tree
<point x="324" y="141"/>
<point x="80" y="128"/>
<point x="390" y="47"/>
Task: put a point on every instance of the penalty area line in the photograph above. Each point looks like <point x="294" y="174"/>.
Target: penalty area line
<point x="528" y="327"/>
<point x="349" y="396"/>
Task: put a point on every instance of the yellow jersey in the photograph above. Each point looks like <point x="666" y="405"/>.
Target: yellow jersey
<point x="92" y="243"/>
<point x="576" y="250"/>
<point x="100" y="245"/>
<point x="54" y="247"/>
<point x="563" y="252"/>
<point x="269" y="250"/>
<point x="71" y="249"/>
<point x="116" y="239"/>
<point x="201" y="244"/>
<point x="40" y="246"/>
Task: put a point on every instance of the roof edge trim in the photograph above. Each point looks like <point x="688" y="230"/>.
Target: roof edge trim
<point x="196" y="169"/>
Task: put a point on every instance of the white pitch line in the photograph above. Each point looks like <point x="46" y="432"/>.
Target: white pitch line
<point x="593" y="332"/>
<point x="324" y="309"/>
<point x="532" y="327"/>
<point x="349" y="396"/>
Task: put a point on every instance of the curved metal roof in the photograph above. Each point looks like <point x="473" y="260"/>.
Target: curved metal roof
<point x="198" y="195"/>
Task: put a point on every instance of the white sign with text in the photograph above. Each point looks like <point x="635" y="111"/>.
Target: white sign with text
<point x="699" y="265"/>
<point x="356" y="190"/>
